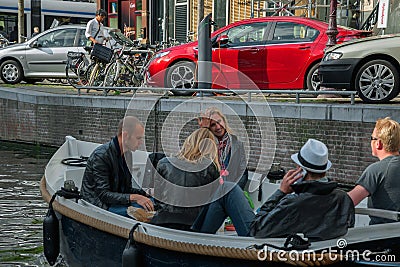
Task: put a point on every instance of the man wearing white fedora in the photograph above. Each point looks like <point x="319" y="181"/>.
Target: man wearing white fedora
<point x="305" y="203"/>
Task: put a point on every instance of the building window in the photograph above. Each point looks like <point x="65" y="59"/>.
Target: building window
<point x="220" y="11"/>
<point x="181" y="20"/>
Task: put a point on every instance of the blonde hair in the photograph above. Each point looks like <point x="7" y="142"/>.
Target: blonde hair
<point x="213" y="110"/>
<point x="388" y="132"/>
<point x="199" y="145"/>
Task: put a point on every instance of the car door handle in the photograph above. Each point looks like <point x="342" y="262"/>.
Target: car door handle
<point x="254" y="50"/>
<point x="304" y="47"/>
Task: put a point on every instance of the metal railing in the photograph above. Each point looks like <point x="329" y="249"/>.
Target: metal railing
<point x="372" y="19"/>
<point x="207" y="92"/>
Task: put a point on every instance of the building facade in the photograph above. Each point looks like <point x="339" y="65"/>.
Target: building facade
<point x="162" y="20"/>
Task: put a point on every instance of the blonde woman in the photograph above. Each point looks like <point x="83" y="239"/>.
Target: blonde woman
<point x="186" y="182"/>
<point x="231" y="153"/>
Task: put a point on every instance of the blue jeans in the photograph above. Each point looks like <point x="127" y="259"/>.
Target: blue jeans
<point x="233" y="204"/>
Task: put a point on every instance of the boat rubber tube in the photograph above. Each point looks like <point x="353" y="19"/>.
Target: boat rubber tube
<point x="51" y="235"/>
<point x="131" y="255"/>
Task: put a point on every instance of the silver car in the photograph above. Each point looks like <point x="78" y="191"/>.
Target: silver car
<point x="43" y="56"/>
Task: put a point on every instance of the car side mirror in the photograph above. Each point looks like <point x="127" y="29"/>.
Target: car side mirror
<point x="222" y="40"/>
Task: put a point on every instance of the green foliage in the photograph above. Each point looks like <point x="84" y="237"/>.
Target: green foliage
<point x="22" y="254"/>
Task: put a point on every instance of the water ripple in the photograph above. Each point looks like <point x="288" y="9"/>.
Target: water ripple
<point x="22" y="209"/>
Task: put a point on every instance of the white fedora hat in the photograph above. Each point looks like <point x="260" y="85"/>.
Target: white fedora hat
<point x="313" y="156"/>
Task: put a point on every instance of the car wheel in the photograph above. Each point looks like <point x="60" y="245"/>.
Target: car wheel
<point x="181" y="75"/>
<point x="377" y="81"/>
<point x="11" y="72"/>
<point x="313" y="81"/>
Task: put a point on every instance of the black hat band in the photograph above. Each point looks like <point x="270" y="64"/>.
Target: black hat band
<point x="309" y="165"/>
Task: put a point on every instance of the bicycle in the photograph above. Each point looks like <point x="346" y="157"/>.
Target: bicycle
<point x="76" y="68"/>
<point x="127" y="68"/>
<point x="96" y="72"/>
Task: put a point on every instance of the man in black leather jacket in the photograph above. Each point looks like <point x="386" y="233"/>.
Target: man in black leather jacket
<point x="107" y="181"/>
<point x="316" y="208"/>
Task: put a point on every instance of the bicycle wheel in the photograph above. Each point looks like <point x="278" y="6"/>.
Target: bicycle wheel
<point x="93" y="75"/>
<point x="111" y="76"/>
<point x="81" y="72"/>
<point x="71" y="76"/>
<point x="76" y="61"/>
<point x="119" y="76"/>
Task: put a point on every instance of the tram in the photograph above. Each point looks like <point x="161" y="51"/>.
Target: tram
<point x="45" y="14"/>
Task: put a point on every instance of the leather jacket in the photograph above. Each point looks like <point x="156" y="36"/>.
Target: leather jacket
<point x="317" y="209"/>
<point x="107" y="180"/>
<point x="174" y="209"/>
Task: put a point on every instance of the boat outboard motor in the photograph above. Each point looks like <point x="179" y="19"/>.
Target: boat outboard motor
<point x="275" y="174"/>
<point x="51" y="230"/>
<point x="131" y="255"/>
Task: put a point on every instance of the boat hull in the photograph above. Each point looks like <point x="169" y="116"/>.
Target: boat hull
<point x="83" y="245"/>
<point x="91" y="236"/>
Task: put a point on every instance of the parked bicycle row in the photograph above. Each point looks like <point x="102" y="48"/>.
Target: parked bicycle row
<point x="120" y="66"/>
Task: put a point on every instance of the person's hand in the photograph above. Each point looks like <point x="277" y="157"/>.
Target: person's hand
<point x="143" y="201"/>
<point x="204" y="122"/>
<point x="290" y="177"/>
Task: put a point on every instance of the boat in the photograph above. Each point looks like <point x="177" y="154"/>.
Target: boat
<point x="82" y="234"/>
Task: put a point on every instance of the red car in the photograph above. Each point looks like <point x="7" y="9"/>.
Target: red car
<point x="274" y="52"/>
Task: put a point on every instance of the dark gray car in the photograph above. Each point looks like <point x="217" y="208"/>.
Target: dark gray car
<point x="371" y="66"/>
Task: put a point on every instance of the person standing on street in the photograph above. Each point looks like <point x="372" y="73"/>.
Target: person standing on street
<point x="95" y="29"/>
<point x="35" y="31"/>
<point x="14" y="35"/>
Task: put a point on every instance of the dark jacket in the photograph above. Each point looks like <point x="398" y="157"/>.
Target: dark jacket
<point x="317" y="209"/>
<point x="107" y="180"/>
<point x="237" y="166"/>
<point x="180" y="206"/>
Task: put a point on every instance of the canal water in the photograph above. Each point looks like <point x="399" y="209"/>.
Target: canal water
<point x="22" y="208"/>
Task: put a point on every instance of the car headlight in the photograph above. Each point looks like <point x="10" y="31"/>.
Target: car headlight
<point x="161" y="54"/>
<point x="332" y="56"/>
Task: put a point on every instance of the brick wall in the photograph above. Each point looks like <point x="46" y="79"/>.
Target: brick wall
<point x="269" y="139"/>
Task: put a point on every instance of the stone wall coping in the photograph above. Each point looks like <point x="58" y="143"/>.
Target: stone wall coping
<point x="313" y="111"/>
